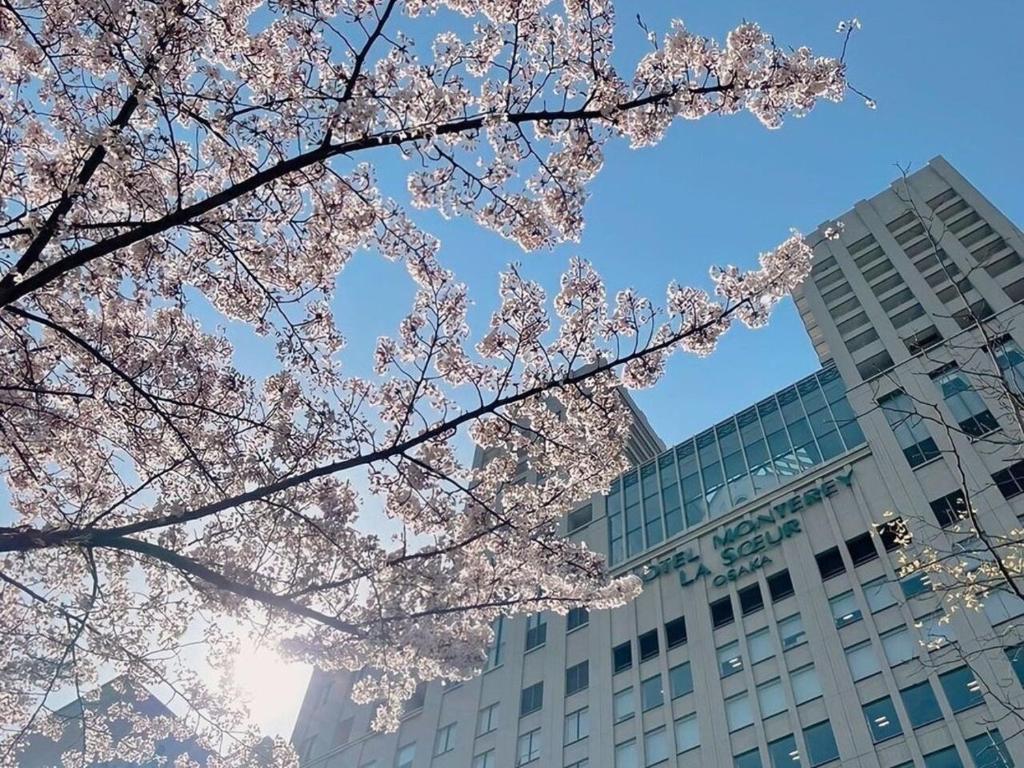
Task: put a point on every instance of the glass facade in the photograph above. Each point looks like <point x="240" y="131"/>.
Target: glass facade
<point x="756" y="450"/>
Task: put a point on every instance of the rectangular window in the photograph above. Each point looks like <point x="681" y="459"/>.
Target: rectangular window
<point x="485" y="760"/>
<point x="750" y="759"/>
<point x="909" y="428"/>
<point x="1010" y="359"/>
<point x="949" y="509"/>
<point x="751" y="599"/>
<point x="680" y="680"/>
<point x="943" y="758"/>
<point x="770" y="698"/>
<point x="528" y="747"/>
<point x="759" y="645"/>
<point x="784" y="752"/>
<point x="791" y="630"/>
<point x="721" y="612"/>
<point x="806" y="686"/>
<point x="405" y="756"/>
<point x="861" y="549"/>
<point x="1015" y="655"/>
<point x="580" y="518"/>
<point x="687" y="735"/>
<point x="622" y="705"/>
<point x="882" y="719"/>
<point x="879" y="594"/>
<point x="577" y="678"/>
<point x="894" y="534"/>
<point x="729" y="660"/>
<point x="656" y="746"/>
<point x="844" y="609"/>
<point x="921" y="705"/>
<point x="577" y="726"/>
<point x="1010" y="481"/>
<point x="651" y="693"/>
<point x="496" y="651"/>
<point x="577" y="617"/>
<point x="821" y="744"/>
<point x="962" y="689"/>
<point x="863" y="660"/>
<point x="966" y="405"/>
<point x="899" y="646"/>
<point x="675" y="632"/>
<point x="915" y="584"/>
<point x="780" y="586"/>
<point x="738" y="712"/>
<point x="531" y="699"/>
<point x="830" y="563"/>
<point x="648" y="643"/>
<point x="989" y="751"/>
<point x="622" y="657"/>
<point x="626" y="756"/>
<point x="444" y="741"/>
<point x="487" y="719"/>
<point x="536" y="631"/>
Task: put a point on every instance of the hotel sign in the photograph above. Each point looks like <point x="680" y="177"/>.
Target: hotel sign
<point x="743" y="547"/>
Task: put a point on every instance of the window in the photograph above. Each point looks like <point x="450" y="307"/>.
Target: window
<point x="405" y="756"/>
<point x="989" y="751"/>
<point x="806" y="686"/>
<point x="935" y="629"/>
<point x="759" y="645"/>
<point x="487" y="719"/>
<point x="791" y="630"/>
<point x="964" y="403"/>
<point x="861" y="549"/>
<point x="821" y="744"/>
<point x="1011" y="362"/>
<point x="485" y="760"/>
<point x="580" y="518"/>
<point x="751" y="599"/>
<point x="1015" y="655"/>
<point x="687" y="735"/>
<point x="680" y="680"/>
<point x="578" y="617"/>
<point x="419" y="696"/>
<point x="738" y="712"/>
<point x="721" y="612"/>
<point x="770" y="698"/>
<point x="531" y="699"/>
<point x="622" y="705"/>
<point x="577" y="726"/>
<point x="915" y="584"/>
<point x="830" y="563"/>
<point x="921" y="705"/>
<point x="882" y="719"/>
<point x="536" y="631"/>
<point x="909" y="428"/>
<point x="528" y="747"/>
<point x="879" y="594"/>
<point x="751" y="759"/>
<point x="899" y="646"/>
<point x="622" y="657"/>
<point x="625" y="755"/>
<point x="444" y="741"/>
<point x="577" y="678"/>
<point x="648" y="643"/>
<point x="656" y="746"/>
<point x="783" y="752"/>
<point x="496" y="651"/>
<point x="675" y="632"/>
<point x="1010" y="481"/>
<point x="863" y="660"/>
<point x="894" y="534"/>
<point x="584" y="763"/>
<point x="844" y="609"/>
<point x="944" y="758"/>
<point x="962" y="689"/>
<point x="729" y="660"/>
<point x="651" y="693"/>
<point x="780" y="585"/>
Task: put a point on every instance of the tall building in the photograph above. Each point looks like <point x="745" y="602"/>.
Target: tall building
<point x="774" y="629"/>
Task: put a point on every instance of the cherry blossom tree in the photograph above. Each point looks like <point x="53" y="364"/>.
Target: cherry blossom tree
<point x="158" y="158"/>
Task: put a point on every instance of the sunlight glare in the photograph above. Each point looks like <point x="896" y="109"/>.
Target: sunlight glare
<point x="271" y="687"/>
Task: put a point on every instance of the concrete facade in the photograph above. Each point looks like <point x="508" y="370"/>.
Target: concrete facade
<point x="774" y="628"/>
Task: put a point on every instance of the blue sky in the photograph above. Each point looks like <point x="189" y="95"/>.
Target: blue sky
<point x="945" y="77"/>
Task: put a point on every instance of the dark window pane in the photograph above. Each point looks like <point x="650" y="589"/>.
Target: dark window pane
<point x="751" y="759"/>
<point x="894" y="534"/>
<point x="721" y="612"/>
<point x="675" y="632"/>
<point x="531" y="699"/>
<point x="882" y="720"/>
<point x="651" y="693"/>
<point x="821" y="744"/>
<point x="988" y="751"/>
<point x="751" y="599"/>
<point x="830" y="563"/>
<point x="577" y="618"/>
<point x="962" y="689"/>
<point x="648" y="643"/>
<point x="580" y="517"/>
<point x="622" y="657"/>
<point x="782" y="752"/>
<point x="577" y="678"/>
<point x="780" y="585"/>
<point x="949" y="509"/>
<point x="861" y="548"/>
<point x="1015" y="655"/>
<point x="921" y="705"/>
<point x="680" y="680"/>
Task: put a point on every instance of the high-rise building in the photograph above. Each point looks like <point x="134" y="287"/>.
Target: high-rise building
<point x="775" y="628"/>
